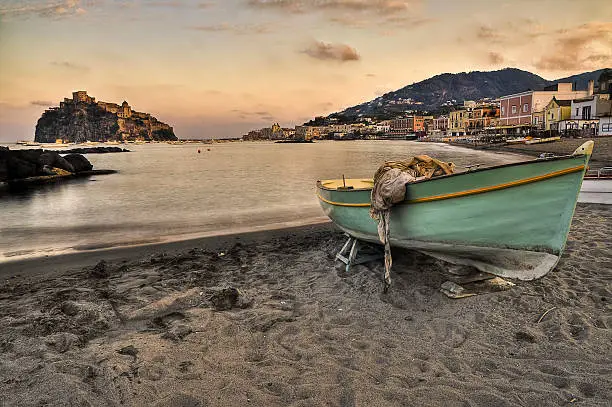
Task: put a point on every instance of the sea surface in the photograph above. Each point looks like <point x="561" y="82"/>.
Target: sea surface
<point x="170" y="192"/>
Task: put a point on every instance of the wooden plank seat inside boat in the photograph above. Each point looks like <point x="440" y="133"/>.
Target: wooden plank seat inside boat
<point x="351" y="183"/>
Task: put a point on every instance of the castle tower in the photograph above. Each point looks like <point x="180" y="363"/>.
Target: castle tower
<point x="126" y="110"/>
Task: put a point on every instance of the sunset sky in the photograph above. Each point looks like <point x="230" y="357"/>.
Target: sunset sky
<point x="218" y="68"/>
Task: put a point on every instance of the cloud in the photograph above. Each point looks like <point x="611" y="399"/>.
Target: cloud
<point x="577" y="48"/>
<point x="587" y="46"/>
<point x="352" y="13"/>
<point x="331" y="52"/>
<point x="250" y="115"/>
<point x="43" y="103"/>
<point x="48" y="9"/>
<point x="70" y="66"/>
<point x="489" y="34"/>
<point x="374" y="6"/>
<point x="238" y="29"/>
<point x="495" y="58"/>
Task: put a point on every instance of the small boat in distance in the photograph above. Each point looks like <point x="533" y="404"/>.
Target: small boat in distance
<point x="510" y="220"/>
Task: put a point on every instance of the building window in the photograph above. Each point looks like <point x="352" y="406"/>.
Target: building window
<point x="535" y="120"/>
<point x="513" y="109"/>
<point x="503" y="111"/>
<point x="525" y="107"/>
<point x="586" y="113"/>
<point x="577" y="111"/>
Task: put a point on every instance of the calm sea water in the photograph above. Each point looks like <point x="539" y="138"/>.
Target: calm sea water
<point x="165" y="192"/>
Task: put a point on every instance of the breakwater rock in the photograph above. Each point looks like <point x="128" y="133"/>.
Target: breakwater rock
<point x="83" y="119"/>
<point x="26" y="167"/>
<point x="96" y="150"/>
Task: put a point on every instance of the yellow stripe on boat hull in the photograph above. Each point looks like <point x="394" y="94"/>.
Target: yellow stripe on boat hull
<point x="471" y="191"/>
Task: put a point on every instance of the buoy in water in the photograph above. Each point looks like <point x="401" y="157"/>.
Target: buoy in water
<point x="199" y="151"/>
<point x="208" y="149"/>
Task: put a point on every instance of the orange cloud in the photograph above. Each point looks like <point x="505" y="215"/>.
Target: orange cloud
<point x="332" y="52"/>
<point x="352" y="13"/>
<point x="54" y="9"/>
<point x="587" y="46"/>
<point x="495" y="58"/>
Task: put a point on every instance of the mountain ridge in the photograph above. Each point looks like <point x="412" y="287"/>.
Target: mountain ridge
<point x="441" y="92"/>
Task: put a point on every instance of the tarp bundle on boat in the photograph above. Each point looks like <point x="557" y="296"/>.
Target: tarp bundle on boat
<point x="390" y="188"/>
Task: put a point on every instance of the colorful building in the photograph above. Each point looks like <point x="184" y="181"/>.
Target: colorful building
<point x="517" y="110"/>
<point x="458" y="122"/>
<point x="408" y="125"/>
<point x="555" y="112"/>
<point x="482" y="116"/>
<point x="440" y="124"/>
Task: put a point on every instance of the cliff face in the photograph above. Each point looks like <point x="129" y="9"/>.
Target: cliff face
<point x="85" y="120"/>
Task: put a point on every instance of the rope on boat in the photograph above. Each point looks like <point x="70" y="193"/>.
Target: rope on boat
<point x="390" y="188"/>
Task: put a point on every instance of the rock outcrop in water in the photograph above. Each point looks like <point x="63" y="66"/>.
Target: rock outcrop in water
<point x="82" y="119"/>
<point x="21" y="164"/>
<point x="23" y="168"/>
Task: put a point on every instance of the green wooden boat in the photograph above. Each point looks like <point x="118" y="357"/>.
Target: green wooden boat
<point x="509" y="220"/>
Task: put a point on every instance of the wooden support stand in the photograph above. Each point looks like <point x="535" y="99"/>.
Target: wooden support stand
<point x="353" y="255"/>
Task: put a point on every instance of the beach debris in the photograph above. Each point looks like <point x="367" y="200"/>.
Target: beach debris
<point x="546" y="313"/>
<point x="228" y="298"/>
<point x="455" y="291"/>
<point x="100" y="270"/>
<point x="129" y="350"/>
<point x="478" y="283"/>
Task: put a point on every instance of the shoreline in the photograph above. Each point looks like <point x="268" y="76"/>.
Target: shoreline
<point x="212" y="241"/>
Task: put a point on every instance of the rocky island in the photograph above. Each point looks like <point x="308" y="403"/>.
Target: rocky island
<point x="82" y="119"/>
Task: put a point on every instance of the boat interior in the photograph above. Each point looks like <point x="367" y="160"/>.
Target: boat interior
<point x="348" y="184"/>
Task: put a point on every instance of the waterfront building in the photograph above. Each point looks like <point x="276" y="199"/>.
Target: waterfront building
<point x="482" y="116"/>
<point x="517" y="110"/>
<point x="604" y="85"/>
<point x="556" y="111"/>
<point x="458" y="122"/>
<point x="306" y="132"/>
<point x="440" y="124"/>
<point x="407" y="125"/>
<point x="382" y="128"/>
<point x="418" y="124"/>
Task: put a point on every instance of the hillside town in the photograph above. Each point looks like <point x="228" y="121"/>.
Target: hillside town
<point x="555" y="111"/>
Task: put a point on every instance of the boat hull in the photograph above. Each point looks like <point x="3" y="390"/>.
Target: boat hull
<point x="509" y="220"/>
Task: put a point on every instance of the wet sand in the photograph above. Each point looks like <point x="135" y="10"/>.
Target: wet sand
<point x="268" y="319"/>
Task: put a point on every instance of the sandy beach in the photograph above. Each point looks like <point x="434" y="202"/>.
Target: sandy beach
<point x="269" y="319"/>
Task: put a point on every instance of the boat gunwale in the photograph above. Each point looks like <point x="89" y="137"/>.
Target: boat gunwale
<point x="445" y="176"/>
